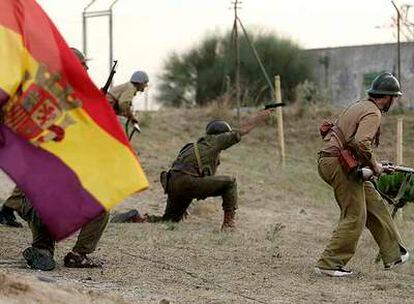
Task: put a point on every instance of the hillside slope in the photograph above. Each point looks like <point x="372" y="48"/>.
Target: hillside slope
<point x="285" y="219"/>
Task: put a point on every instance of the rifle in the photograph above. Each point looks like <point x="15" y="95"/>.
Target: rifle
<point x="388" y="168"/>
<point x="108" y="82"/>
<point x="394" y="168"/>
<point x="136" y="128"/>
<point x="396" y="189"/>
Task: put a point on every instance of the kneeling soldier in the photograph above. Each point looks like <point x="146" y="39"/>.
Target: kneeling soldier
<point x="192" y="174"/>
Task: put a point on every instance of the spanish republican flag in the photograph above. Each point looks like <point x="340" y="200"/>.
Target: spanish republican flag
<point x="60" y="140"/>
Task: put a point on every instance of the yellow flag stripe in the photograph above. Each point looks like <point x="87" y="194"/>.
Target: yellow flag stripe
<point x="105" y="167"/>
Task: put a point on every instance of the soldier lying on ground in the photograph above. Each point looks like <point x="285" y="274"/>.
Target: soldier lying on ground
<point x="40" y="254"/>
<point x="192" y="174"/>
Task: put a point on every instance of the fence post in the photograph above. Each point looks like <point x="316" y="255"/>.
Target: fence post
<point x="279" y="115"/>
<point x="399" y="155"/>
<point x="399" y="150"/>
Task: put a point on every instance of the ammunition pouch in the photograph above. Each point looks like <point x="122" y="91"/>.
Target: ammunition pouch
<point x="347" y="160"/>
<point x="325" y="127"/>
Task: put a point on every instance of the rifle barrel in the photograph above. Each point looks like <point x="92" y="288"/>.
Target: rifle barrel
<point x="404" y="169"/>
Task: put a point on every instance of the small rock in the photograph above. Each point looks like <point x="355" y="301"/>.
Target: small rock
<point x="46" y="279"/>
<point x="164" y="301"/>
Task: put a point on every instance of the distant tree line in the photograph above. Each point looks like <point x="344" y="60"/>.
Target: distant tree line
<point x="198" y="76"/>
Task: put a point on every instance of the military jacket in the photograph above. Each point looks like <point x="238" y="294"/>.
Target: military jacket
<point x="209" y="148"/>
<point x="122" y="95"/>
<point x="360" y="124"/>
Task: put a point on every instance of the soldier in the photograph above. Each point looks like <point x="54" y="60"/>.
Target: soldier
<point x="357" y="129"/>
<point x="192" y="174"/>
<point x="40" y="254"/>
<point x="120" y="97"/>
<point x="81" y="57"/>
<point x="13" y="203"/>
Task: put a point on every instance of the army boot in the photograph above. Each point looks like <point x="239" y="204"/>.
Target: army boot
<point x="80" y="260"/>
<point x="131" y="216"/>
<point x="39" y="259"/>
<point x="229" y="220"/>
<point x="8" y="218"/>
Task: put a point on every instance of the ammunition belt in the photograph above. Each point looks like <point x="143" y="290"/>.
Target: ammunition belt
<point x="328" y="154"/>
<point x="186" y="169"/>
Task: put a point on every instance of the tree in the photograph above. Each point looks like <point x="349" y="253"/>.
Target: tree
<point x="197" y="76"/>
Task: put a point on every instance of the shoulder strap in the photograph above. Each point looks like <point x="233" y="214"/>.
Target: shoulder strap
<point x="339" y="135"/>
<point x="184" y="148"/>
<point x="197" y="155"/>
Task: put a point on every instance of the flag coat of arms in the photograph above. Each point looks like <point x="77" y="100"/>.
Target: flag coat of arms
<point x="60" y="140"/>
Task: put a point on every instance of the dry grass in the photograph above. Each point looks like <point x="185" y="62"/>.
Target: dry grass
<point x="285" y="219"/>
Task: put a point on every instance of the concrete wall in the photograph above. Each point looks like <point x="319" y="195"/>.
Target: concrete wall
<point x="346" y="72"/>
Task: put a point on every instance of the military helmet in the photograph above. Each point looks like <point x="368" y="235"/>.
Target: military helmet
<point x="80" y="56"/>
<point x="385" y="84"/>
<point x="139" y="77"/>
<point x="215" y="127"/>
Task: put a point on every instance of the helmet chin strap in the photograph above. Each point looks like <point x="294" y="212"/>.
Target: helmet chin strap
<point x="388" y="105"/>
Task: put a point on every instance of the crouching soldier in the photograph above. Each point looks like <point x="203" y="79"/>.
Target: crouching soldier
<point x="192" y="174"/>
<point x="40" y="254"/>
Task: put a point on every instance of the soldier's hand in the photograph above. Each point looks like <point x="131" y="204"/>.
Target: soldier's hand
<point x="378" y="169"/>
<point x="388" y="169"/>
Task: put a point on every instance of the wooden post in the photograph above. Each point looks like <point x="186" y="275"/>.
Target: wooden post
<point x="279" y="115"/>
<point x="227" y="95"/>
<point x="399" y="150"/>
<point x="399" y="156"/>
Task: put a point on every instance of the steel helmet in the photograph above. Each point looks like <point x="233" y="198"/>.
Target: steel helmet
<point x="215" y="127"/>
<point x="139" y="77"/>
<point x="80" y="56"/>
<point x="385" y="84"/>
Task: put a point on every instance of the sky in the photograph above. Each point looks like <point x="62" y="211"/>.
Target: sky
<point x="146" y="32"/>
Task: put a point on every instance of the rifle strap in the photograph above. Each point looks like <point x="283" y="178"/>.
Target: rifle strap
<point x="198" y="158"/>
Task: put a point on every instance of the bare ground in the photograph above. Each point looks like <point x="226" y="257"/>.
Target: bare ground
<point x="285" y="219"/>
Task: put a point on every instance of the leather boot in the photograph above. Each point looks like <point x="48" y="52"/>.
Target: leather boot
<point x="8" y="218"/>
<point x="131" y="216"/>
<point x="229" y="220"/>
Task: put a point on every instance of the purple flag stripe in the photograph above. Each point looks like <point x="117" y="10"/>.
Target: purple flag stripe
<point x="55" y="191"/>
<point x="4" y="97"/>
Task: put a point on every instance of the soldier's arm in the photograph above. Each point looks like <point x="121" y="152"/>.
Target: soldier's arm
<point x="363" y="139"/>
<point x="251" y="122"/>
<point x="226" y="140"/>
<point x="125" y="102"/>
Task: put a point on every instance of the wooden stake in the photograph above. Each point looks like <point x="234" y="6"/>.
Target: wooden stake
<point x="399" y="156"/>
<point x="279" y="115"/>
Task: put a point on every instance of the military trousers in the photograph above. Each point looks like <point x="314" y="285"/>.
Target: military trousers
<point x="183" y="188"/>
<point x="14" y="200"/>
<point x="88" y="237"/>
<point x="361" y="205"/>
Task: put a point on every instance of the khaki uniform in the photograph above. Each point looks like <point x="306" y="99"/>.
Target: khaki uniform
<point x="120" y="97"/>
<point x="88" y="237"/>
<point x="190" y="178"/>
<point x="14" y="201"/>
<point x="361" y="205"/>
